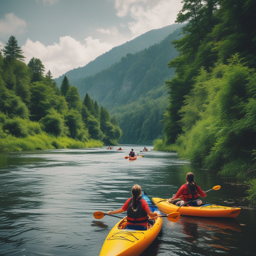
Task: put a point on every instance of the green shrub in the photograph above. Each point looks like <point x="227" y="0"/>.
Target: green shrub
<point x="16" y="127"/>
<point x="34" y="128"/>
<point x="252" y="192"/>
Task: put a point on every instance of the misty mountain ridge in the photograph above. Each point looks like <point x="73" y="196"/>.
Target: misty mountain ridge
<point x="115" y="54"/>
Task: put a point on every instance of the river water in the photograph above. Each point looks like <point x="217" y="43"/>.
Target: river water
<point x="47" y="200"/>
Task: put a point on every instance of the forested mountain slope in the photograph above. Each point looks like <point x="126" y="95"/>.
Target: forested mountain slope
<point x="114" y="55"/>
<point x="134" y="91"/>
<point x="211" y="115"/>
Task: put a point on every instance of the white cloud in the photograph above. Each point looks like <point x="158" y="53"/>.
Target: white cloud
<point x="123" y="6"/>
<point x="66" y="55"/>
<point x="112" y="31"/>
<point x="1" y="45"/>
<point x="48" y="2"/>
<point x="148" y="14"/>
<point x="11" y="25"/>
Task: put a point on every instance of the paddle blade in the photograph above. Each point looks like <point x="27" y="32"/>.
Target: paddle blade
<point x="173" y="216"/>
<point x="216" y="187"/>
<point x="141" y="156"/>
<point x="98" y="215"/>
<point x="126" y="157"/>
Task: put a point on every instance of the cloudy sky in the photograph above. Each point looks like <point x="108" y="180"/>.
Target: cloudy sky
<point x="66" y="34"/>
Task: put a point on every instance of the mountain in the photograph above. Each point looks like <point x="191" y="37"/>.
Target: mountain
<point x="114" y="55"/>
<point x="134" y="90"/>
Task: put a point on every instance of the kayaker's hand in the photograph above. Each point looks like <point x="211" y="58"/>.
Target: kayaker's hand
<point x="170" y="200"/>
<point x="109" y="212"/>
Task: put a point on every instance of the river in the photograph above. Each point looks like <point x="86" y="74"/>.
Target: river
<point x="47" y="200"/>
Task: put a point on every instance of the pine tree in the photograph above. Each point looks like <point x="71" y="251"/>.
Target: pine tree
<point x="12" y="50"/>
<point x="64" y="86"/>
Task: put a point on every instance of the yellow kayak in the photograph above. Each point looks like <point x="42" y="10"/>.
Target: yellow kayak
<point x="208" y="210"/>
<point x="128" y="242"/>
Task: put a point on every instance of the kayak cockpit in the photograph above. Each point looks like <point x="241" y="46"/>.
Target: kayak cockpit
<point x="123" y="223"/>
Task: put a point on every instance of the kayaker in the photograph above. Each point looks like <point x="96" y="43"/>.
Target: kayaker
<point x="137" y="210"/>
<point x="145" y="149"/>
<point x="132" y="153"/>
<point x="188" y="191"/>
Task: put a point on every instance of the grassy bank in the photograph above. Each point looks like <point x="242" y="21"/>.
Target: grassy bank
<point x="241" y="170"/>
<point x="43" y="141"/>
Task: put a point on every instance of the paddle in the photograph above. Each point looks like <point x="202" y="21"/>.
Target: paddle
<point x="99" y="215"/>
<point x="217" y="187"/>
<point x="126" y="157"/>
<point x="174" y="216"/>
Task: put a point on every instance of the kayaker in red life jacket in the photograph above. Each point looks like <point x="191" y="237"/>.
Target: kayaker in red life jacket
<point x="132" y="153"/>
<point x="145" y="149"/>
<point x="137" y="210"/>
<point x="188" y="191"/>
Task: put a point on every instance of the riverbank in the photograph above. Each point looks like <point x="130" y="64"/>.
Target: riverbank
<point x="236" y="169"/>
<point x="42" y="142"/>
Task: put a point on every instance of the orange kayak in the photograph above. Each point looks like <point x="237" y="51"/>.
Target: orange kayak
<point x="132" y="157"/>
<point x="208" y="210"/>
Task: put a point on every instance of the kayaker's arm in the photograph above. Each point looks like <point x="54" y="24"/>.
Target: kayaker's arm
<point x="120" y="210"/>
<point x="152" y="214"/>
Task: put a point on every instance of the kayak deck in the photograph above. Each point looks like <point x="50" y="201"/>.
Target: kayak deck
<point x="212" y="210"/>
<point x="126" y="242"/>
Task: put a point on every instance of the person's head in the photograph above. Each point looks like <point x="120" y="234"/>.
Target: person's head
<point x="190" y="177"/>
<point x="131" y="149"/>
<point x="136" y="194"/>
<point x="192" y="188"/>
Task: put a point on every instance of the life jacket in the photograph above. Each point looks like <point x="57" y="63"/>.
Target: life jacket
<point x="189" y="196"/>
<point x="132" y="154"/>
<point x="133" y="215"/>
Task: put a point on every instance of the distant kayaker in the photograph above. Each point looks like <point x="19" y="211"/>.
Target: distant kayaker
<point x="132" y="153"/>
<point x="137" y="210"/>
<point x="145" y="149"/>
<point x="188" y="191"/>
<point x="120" y="149"/>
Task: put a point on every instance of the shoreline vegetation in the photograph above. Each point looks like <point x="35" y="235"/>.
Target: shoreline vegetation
<point x="43" y="142"/>
<point x="36" y="115"/>
<point x="211" y="114"/>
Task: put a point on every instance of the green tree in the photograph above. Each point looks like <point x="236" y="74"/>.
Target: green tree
<point x="8" y="75"/>
<point x="73" y="121"/>
<point x="49" y="80"/>
<point x="64" y="86"/>
<point x="37" y="69"/>
<point x="53" y="123"/>
<point x="88" y="102"/>
<point x="12" y="50"/>
<point x="11" y="104"/>
<point x="73" y="98"/>
<point x="22" y="76"/>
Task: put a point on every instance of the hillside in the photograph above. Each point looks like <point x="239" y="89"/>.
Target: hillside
<point x="114" y="55"/>
<point x="134" y="90"/>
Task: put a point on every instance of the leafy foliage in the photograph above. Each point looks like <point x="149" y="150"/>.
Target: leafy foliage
<point x="32" y="107"/>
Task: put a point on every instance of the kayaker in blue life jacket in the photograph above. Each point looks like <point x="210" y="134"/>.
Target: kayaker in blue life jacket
<point x="132" y="153"/>
<point x="137" y="210"/>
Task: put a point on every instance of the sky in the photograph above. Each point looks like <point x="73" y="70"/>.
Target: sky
<point x="66" y="34"/>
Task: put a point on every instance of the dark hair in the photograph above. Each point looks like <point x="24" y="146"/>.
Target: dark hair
<point x="136" y="195"/>
<point x="192" y="187"/>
